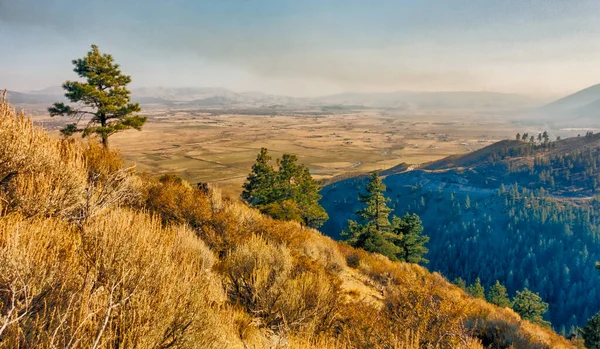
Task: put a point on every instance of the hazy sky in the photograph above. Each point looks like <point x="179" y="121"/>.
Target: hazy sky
<point x="310" y="47"/>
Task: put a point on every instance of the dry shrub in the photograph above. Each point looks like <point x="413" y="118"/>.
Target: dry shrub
<point x="260" y="277"/>
<point x="36" y="258"/>
<point x="100" y="162"/>
<point x="130" y="264"/>
<point x="39" y="175"/>
<point x="121" y="280"/>
<point x="363" y="325"/>
<point x="247" y="329"/>
<point x="323" y="250"/>
<point x="233" y="225"/>
<point x="503" y="328"/>
<point x="108" y="183"/>
<point x="255" y="273"/>
<point x="177" y="202"/>
<point x="215" y="196"/>
<point x="353" y="260"/>
<point x="309" y="302"/>
<point x="422" y="306"/>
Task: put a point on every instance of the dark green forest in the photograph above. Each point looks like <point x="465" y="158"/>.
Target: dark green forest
<point x="535" y="227"/>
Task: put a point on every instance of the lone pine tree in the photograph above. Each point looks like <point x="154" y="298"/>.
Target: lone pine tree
<point x="103" y="99"/>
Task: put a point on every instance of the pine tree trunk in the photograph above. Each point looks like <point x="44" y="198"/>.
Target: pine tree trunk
<point x="104" y="135"/>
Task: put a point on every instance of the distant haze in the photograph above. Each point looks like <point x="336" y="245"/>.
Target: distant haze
<point x="310" y="47"/>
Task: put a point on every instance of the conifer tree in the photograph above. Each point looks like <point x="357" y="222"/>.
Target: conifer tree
<point x="460" y="283"/>
<point x="530" y="306"/>
<point x="371" y="240"/>
<point x="476" y="289"/>
<point x="497" y="295"/>
<point x="401" y="240"/>
<point x="591" y="332"/>
<point x="294" y="182"/>
<point x="259" y="183"/>
<point x="368" y="234"/>
<point x="376" y="211"/>
<point x="407" y="235"/>
<point x="103" y="99"/>
<point x="288" y="193"/>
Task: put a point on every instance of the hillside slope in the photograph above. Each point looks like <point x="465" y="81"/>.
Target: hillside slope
<point x="568" y="168"/>
<point x="524" y="214"/>
<point x="575" y="101"/>
<point x="580" y="108"/>
<point x="93" y="255"/>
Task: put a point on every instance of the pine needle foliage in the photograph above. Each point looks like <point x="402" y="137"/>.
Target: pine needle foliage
<point x="287" y="193"/>
<point x="401" y="239"/>
<point x="103" y="100"/>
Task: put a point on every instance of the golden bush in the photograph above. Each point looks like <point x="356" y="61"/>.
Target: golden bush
<point x="255" y="273"/>
<point x="325" y="251"/>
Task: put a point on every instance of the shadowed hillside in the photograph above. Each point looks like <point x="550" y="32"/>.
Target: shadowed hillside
<point x="93" y="255"/>
<point x="524" y="213"/>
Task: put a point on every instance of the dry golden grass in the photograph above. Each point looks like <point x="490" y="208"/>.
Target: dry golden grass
<point x="95" y="256"/>
<point x="121" y="278"/>
<point x="41" y="175"/>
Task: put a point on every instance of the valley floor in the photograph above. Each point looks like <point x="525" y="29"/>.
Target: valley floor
<point x="221" y="148"/>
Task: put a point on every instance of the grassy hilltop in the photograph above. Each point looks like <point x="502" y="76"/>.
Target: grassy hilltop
<point x="94" y="255"/>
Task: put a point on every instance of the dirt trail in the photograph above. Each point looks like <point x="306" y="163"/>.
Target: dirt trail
<point x="359" y="288"/>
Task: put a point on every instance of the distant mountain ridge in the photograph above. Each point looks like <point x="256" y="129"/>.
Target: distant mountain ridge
<point x="483" y="100"/>
<point x="220" y="97"/>
<point x="581" y="106"/>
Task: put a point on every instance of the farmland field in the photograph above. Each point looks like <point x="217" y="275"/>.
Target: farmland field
<point x="220" y="147"/>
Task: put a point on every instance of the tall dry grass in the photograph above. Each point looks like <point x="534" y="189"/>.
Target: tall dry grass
<point x="121" y="280"/>
<point x="44" y="176"/>
<point x="39" y="175"/>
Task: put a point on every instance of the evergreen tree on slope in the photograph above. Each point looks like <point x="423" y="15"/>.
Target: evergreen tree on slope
<point x="103" y="99"/>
